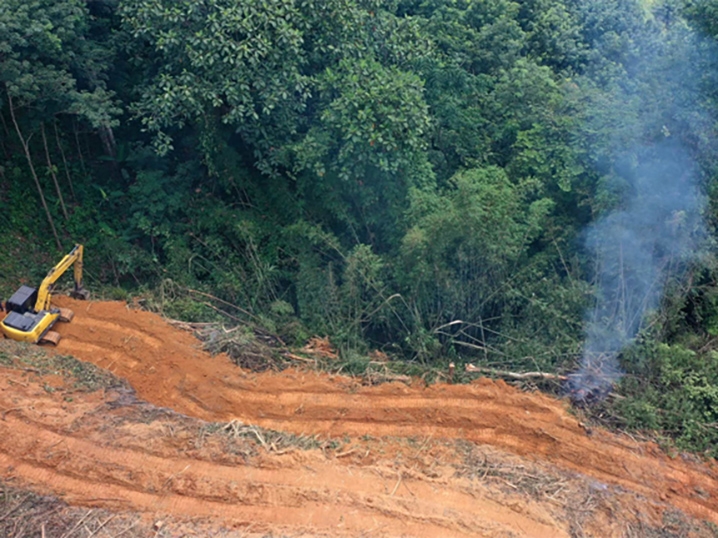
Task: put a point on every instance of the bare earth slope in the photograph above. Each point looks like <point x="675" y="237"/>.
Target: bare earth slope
<point x="100" y="450"/>
<point x="111" y="452"/>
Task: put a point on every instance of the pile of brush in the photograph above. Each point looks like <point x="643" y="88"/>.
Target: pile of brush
<point x="246" y="348"/>
<point x="594" y="381"/>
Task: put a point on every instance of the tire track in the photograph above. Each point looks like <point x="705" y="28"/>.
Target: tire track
<point x="308" y="494"/>
<point x="176" y="374"/>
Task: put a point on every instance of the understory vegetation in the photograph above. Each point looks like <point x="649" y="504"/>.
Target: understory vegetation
<point x="410" y="176"/>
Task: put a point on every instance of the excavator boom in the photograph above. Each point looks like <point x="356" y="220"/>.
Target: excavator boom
<point x="44" y="292"/>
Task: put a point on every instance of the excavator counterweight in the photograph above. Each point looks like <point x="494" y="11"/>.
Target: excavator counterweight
<point x="30" y="315"/>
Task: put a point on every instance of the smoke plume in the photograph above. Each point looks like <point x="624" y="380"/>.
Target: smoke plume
<point x="656" y="228"/>
<point x="637" y="249"/>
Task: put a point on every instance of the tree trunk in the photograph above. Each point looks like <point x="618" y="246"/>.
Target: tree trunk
<point x="64" y="162"/>
<point x="26" y="148"/>
<point x="51" y="167"/>
<point x="108" y="141"/>
<point x="79" y="148"/>
<point x="7" y="137"/>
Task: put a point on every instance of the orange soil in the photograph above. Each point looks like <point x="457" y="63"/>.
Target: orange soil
<point x="99" y="453"/>
<point x="167" y="368"/>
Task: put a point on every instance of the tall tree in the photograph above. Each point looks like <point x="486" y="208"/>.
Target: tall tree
<point x="49" y="67"/>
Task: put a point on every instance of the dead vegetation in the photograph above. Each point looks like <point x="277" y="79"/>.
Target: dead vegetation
<point x="481" y="464"/>
<point x="321" y="347"/>
<point x="24" y="514"/>
<point x="242" y="335"/>
<point x="380" y="372"/>
<point x="251" y="437"/>
<point x="471" y="368"/>
<point x="244" y="346"/>
<point x="589" y="507"/>
<point x="257" y="352"/>
<point x="226" y="440"/>
<point x="247" y="341"/>
<point x="33" y="359"/>
<point x="576" y="500"/>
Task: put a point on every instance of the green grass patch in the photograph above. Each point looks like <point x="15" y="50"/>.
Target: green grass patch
<point x="22" y="264"/>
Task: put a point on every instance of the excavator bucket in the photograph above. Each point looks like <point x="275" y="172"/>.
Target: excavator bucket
<point x="50" y="337"/>
<point x="80" y="293"/>
<point x="66" y="314"/>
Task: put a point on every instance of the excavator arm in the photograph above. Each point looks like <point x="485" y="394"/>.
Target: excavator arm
<point x="44" y="292"/>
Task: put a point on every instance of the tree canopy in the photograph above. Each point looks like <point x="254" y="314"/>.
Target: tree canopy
<point x="424" y="177"/>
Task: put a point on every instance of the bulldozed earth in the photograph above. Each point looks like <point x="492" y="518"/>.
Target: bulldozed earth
<point x="143" y="433"/>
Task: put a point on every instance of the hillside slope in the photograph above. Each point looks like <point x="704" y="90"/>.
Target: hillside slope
<point x="324" y="455"/>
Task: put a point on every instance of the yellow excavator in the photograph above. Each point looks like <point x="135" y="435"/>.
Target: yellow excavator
<point x="30" y="316"/>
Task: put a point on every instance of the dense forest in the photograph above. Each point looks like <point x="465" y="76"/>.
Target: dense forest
<point x="522" y="185"/>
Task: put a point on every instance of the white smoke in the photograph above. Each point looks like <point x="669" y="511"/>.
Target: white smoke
<point x="658" y="229"/>
<point x="657" y="119"/>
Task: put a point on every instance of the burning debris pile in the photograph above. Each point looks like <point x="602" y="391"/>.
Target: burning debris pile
<point x="592" y="384"/>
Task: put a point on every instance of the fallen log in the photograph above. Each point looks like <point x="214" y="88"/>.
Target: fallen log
<point x="294" y="357"/>
<point x="470" y="368"/>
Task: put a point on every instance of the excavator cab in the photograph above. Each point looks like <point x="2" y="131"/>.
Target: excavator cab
<point x="30" y="316"/>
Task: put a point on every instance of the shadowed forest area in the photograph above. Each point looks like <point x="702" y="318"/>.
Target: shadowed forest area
<point x="525" y="186"/>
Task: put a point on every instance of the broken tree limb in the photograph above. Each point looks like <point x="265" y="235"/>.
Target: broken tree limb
<point x="470" y="368"/>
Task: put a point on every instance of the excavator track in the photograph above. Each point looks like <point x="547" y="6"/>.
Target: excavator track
<point x="51" y="337"/>
<point x="66" y="314"/>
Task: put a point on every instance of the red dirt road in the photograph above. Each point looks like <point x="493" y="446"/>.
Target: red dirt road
<point x="167" y="368"/>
